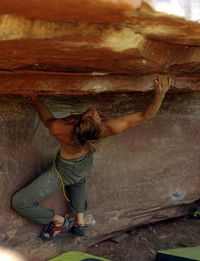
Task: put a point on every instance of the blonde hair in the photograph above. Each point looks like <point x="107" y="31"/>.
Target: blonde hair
<point x="88" y="134"/>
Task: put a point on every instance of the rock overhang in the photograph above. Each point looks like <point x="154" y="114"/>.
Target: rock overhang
<point x="95" y="48"/>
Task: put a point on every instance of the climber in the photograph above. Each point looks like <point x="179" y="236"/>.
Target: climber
<point x="79" y="137"/>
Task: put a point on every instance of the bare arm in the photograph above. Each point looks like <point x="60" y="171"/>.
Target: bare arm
<point x="45" y="114"/>
<point x="114" y="126"/>
<point x="163" y="84"/>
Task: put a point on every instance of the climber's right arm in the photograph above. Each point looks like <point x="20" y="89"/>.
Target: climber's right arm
<point x="46" y="116"/>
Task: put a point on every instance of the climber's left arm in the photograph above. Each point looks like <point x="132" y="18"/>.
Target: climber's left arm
<point x="115" y="126"/>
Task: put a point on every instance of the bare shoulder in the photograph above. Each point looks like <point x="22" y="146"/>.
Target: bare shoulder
<point x="121" y="123"/>
<point x="107" y="130"/>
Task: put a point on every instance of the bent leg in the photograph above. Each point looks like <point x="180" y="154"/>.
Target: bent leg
<point x="26" y="201"/>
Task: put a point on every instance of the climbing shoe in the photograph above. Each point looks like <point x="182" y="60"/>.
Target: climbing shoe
<point x="78" y="230"/>
<point x="50" y="231"/>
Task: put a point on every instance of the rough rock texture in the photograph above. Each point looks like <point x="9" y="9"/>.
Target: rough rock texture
<point x="146" y="174"/>
<point x="79" y="41"/>
<point x="108" y="54"/>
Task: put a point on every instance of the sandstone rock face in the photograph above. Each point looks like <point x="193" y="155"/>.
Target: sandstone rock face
<point x="76" y="45"/>
<point x="146" y="174"/>
<point x="106" y="54"/>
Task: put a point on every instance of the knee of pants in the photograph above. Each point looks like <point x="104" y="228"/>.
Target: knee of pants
<point x="18" y="202"/>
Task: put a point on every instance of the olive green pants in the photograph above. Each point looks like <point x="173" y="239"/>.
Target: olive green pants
<point x="26" y="201"/>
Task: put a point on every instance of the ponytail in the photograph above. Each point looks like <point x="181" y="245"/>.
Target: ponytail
<point x="88" y="134"/>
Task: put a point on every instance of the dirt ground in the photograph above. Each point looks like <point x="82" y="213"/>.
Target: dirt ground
<point x="142" y="244"/>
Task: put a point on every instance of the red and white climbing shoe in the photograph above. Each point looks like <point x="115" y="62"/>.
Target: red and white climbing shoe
<point x="50" y="231"/>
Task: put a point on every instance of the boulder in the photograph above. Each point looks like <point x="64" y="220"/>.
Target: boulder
<point x="107" y="54"/>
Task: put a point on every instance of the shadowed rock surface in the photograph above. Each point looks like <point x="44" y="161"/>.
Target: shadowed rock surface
<point x="107" y="54"/>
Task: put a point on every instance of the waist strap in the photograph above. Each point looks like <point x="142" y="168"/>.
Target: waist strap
<point x="72" y="161"/>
